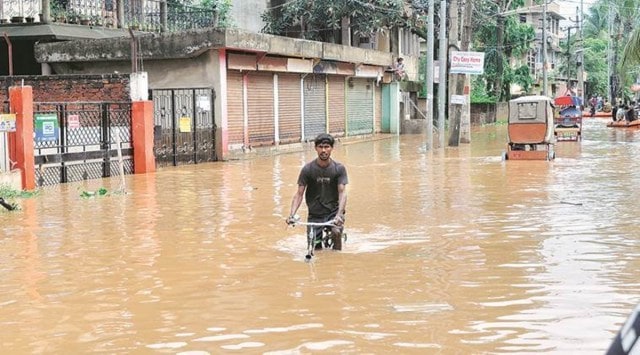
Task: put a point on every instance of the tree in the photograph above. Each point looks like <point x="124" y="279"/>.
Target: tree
<point x="321" y="19"/>
<point x="501" y="36"/>
<point x="612" y="21"/>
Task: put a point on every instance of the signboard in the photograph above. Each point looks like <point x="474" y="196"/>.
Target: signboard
<point x="467" y="62"/>
<point x="203" y="103"/>
<point x="73" y="121"/>
<point x="46" y="127"/>
<point x="458" y="99"/>
<point x="185" y="124"/>
<point x="8" y="122"/>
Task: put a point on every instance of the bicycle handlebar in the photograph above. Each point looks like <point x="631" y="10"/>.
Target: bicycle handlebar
<point x="314" y="224"/>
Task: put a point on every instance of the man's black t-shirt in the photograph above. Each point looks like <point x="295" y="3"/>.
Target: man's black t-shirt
<point x="322" y="187"/>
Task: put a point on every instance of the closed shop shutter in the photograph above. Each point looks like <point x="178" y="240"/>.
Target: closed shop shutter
<point x="336" y="106"/>
<point x="315" y="121"/>
<point x="359" y="106"/>
<point x="290" y="107"/>
<point x="235" y="120"/>
<point x="377" y="123"/>
<point x="260" y="99"/>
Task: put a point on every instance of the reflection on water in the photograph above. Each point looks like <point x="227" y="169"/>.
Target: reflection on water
<point x="448" y="251"/>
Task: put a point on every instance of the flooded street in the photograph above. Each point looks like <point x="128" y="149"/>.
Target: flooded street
<point x="449" y="252"/>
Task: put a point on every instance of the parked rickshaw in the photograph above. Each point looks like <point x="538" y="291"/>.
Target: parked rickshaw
<point x="568" y="118"/>
<point x="530" y="129"/>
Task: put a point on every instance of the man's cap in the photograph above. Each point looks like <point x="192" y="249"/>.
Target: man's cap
<point x="323" y="138"/>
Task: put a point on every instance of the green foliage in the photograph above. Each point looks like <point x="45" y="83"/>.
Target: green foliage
<point x="595" y="64"/>
<point x="317" y="20"/>
<point x="615" y="22"/>
<point x="223" y="8"/>
<point x="8" y="193"/>
<point x="100" y="192"/>
<point x="522" y="77"/>
<point x="517" y="39"/>
<point x="479" y="93"/>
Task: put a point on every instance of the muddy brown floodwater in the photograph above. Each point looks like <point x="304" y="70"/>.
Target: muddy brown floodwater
<point x="449" y="252"/>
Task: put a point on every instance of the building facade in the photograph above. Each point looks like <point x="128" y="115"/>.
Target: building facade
<point x="535" y="58"/>
<point x="268" y="91"/>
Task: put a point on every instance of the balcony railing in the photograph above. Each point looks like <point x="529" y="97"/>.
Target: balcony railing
<point x="144" y="15"/>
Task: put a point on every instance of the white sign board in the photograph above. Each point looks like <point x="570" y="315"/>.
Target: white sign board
<point x="73" y="121"/>
<point x="203" y="103"/>
<point x="467" y="62"/>
<point x="458" y="99"/>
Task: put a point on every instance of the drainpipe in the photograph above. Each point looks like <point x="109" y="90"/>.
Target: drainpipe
<point x="120" y="21"/>
<point x="163" y="16"/>
<point x="10" y="53"/>
<point x="134" y="52"/>
<point x="45" y="11"/>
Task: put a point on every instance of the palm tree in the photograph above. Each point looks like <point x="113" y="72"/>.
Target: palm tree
<point x="631" y="53"/>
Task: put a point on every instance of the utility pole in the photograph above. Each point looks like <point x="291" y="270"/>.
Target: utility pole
<point x="544" y="48"/>
<point x="458" y="81"/>
<point x="442" y="58"/>
<point x="569" y="55"/>
<point x="577" y="52"/>
<point x="429" y="84"/>
<point x="612" y="98"/>
<point x="581" y="55"/>
<point x="454" y="113"/>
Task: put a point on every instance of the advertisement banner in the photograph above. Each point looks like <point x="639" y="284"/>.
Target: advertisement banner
<point x="467" y="62"/>
<point x="47" y="127"/>
<point x="8" y="122"/>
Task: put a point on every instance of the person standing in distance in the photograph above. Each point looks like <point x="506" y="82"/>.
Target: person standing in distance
<point x="322" y="182"/>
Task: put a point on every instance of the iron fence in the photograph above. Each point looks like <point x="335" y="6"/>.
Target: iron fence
<point x="76" y="141"/>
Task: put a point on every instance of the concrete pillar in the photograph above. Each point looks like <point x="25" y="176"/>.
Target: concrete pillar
<point x="142" y="135"/>
<point x="46" y="68"/>
<point x="120" y="19"/>
<point x="45" y="11"/>
<point x="21" y="141"/>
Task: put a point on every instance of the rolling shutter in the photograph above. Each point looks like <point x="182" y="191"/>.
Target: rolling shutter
<point x="290" y="107"/>
<point x="260" y="109"/>
<point x="235" y="121"/>
<point x="359" y="107"/>
<point x="336" y="106"/>
<point x="314" y="106"/>
<point x="377" y="122"/>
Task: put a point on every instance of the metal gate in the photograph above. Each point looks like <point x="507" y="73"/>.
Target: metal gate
<point x="77" y="141"/>
<point x="184" y="131"/>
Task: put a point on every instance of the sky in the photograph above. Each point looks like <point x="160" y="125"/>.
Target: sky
<point x="568" y="7"/>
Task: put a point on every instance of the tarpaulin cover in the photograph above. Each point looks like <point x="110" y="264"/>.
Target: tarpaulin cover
<point x="567" y="101"/>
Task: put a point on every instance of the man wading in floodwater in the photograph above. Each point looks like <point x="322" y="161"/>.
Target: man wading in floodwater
<point x="322" y="182"/>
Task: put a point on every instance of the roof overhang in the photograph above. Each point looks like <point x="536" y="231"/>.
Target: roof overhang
<point x="58" y="32"/>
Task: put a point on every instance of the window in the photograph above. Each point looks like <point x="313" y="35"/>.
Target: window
<point x="527" y="111"/>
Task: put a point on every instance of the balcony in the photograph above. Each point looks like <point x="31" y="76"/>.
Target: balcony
<point x="143" y="15"/>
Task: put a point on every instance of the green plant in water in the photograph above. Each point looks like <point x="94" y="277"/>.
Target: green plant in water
<point x="8" y="193"/>
<point x="100" y="192"/>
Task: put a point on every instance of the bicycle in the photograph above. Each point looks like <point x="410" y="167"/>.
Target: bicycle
<point x="326" y="241"/>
